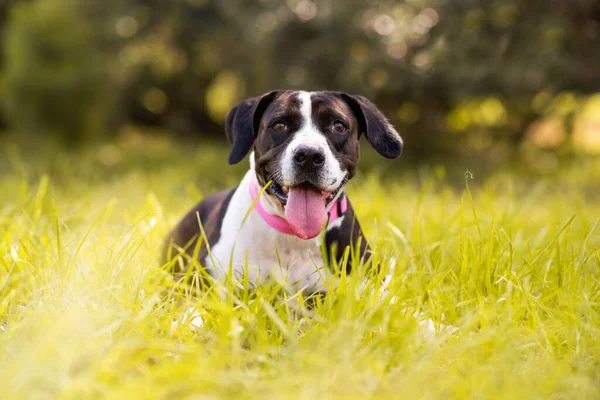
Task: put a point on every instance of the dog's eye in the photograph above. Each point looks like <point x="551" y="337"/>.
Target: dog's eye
<point x="338" y="127"/>
<point x="279" y="126"/>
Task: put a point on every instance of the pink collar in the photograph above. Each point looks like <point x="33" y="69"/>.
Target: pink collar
<point x="338" y="208"/>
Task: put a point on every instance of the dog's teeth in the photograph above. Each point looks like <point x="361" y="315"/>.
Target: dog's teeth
<point x="285" y="189"/>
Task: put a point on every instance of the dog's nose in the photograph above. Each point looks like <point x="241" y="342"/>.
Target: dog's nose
<point x="309" y="157"/>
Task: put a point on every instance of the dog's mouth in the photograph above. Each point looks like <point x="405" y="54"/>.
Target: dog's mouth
<point x="281" y="192"/>
<point x="304" y="205"/>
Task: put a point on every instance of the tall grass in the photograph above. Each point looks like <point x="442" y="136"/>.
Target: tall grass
<point x="488" y="290"/>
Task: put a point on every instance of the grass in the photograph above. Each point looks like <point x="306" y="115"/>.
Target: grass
<point x="512" y="261"/>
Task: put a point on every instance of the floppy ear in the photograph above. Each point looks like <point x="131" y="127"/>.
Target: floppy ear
<point x="242" y="124"/>
<point x="379" y="132"/>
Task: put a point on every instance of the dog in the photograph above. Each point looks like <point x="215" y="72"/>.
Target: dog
<point x="291" y="202"/>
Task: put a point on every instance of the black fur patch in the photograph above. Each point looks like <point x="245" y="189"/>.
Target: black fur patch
<point x="185" y="235"/>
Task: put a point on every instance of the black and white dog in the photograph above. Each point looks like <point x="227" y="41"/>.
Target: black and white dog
<point x="306" y="144"/>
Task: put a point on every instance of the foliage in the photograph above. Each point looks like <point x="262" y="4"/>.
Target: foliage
<point x="512" y="261"/>
<point x="458" y="74"/>
<point x="52" y="81"/>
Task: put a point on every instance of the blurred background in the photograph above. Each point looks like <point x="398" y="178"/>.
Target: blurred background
<point x="485" y="79"/>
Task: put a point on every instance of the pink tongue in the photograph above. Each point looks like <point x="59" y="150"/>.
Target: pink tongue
<point x="305" y="211"/>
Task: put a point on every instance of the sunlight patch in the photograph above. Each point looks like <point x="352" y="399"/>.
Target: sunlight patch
<point x="192" y="317"/>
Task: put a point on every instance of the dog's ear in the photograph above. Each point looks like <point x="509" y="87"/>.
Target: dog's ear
<point x="379" y="132"/>
<point x="243" y="122"/>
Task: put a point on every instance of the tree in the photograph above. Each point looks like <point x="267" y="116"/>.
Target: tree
<point x="54" y="79"/>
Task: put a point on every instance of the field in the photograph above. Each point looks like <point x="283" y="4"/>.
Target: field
<point x="493" y="287"/>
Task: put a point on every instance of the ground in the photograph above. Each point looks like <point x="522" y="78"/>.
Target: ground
<point x="489" y="285"/>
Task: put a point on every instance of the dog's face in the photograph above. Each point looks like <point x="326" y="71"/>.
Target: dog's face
<point x="307" y="145"/>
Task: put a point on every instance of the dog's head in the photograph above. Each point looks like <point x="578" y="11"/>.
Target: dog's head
<point x="307" y="144"/>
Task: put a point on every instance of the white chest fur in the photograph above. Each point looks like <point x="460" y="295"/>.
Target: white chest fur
<point x="263" y="251"/>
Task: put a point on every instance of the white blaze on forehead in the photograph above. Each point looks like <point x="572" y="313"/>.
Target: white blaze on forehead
<point x="305" y="108"/>
<point x="331" y="174"/>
